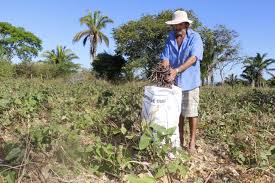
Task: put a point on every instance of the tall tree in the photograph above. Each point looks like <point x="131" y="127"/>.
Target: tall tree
<point x="208" y="55"/>
<point x="16" y="41"/>
<point x="221" y="48"/>
<point x="254" y="68"/>
<point x="144" y="39"/>
<point x="95" y="23"/>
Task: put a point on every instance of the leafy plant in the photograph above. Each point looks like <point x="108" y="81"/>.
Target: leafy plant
<point x="87" y="129"/>
<point x="156" y="141"/>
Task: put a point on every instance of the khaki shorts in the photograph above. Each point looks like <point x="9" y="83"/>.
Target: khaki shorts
<point x="190" y="103"/>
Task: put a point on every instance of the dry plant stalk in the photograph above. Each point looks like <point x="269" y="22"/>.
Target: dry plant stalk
<point x="160" y="74"/>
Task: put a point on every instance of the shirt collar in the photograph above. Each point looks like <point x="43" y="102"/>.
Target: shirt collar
<point x="173" y="37"/>
<point x="189" y="32"/>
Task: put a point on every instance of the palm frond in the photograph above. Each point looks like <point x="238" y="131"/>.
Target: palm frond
<point x="88" y="20"/>
<point x="81" y="34"/>
<point x="96" y="17"/>
<point x="85" y="40"/>
<point x="60" y="55"/>
<point x="103" y="21"/>
<point x="267" y="62"/>
<point x="104" y="38"/>
<point x="271" y="73"/>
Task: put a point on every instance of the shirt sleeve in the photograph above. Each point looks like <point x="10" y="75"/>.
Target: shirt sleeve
<point x="165" y="53"/>
<point x="197" y="48"/>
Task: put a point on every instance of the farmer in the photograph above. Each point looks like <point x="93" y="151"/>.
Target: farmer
<point x="183" y="51"/>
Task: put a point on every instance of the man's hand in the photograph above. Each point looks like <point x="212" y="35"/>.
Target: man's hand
<point x="165" y="63"/>
<point x="173" y="74"/>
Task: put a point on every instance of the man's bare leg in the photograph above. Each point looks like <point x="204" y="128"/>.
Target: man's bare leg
<point x="193" y="126"/>
<point x="181" y="130"/>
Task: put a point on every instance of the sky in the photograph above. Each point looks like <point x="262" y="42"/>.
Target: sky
<point x="57" y="21"/>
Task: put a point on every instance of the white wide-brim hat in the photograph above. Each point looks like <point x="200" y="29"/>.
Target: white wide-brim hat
<point x="179" y="17"/>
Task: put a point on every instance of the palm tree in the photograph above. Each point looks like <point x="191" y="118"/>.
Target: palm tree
<point x="255" y="67"/>
<point x="62" y="59"/>
<point x="232" y="79"/>
<point x="60" y="55"/>
<point x="95" y="22"/>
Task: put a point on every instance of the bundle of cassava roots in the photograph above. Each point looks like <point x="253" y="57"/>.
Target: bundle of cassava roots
<point x="160" y="75"/>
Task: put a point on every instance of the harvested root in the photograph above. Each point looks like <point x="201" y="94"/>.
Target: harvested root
<point x="160" y="74"/>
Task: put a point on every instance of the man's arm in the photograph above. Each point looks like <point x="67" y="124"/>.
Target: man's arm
<point x="190" y="61"/>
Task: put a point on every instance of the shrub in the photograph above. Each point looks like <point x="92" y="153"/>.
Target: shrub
<point x="7" y="69"/>
<point x="108" y="66"/>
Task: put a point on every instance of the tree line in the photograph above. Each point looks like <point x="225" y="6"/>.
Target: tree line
<point x="138" y="46"/>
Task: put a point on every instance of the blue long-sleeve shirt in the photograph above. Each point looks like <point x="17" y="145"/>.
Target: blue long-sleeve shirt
<point x="192" y="45"/>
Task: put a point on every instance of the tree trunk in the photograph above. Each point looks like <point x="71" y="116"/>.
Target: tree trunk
<point x="222" y="78"/>
<point x="206" y="80"/>
<point x="210" y="78"/>
<point x="253" y="83"/>
<point x="93" y="46"/>
<point x="94" y="51"/>
<point x="91" y="54"/>
<point x="203" y="81"/>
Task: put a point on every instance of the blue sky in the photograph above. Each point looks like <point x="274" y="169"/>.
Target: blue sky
<point x="56" y="22"/>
